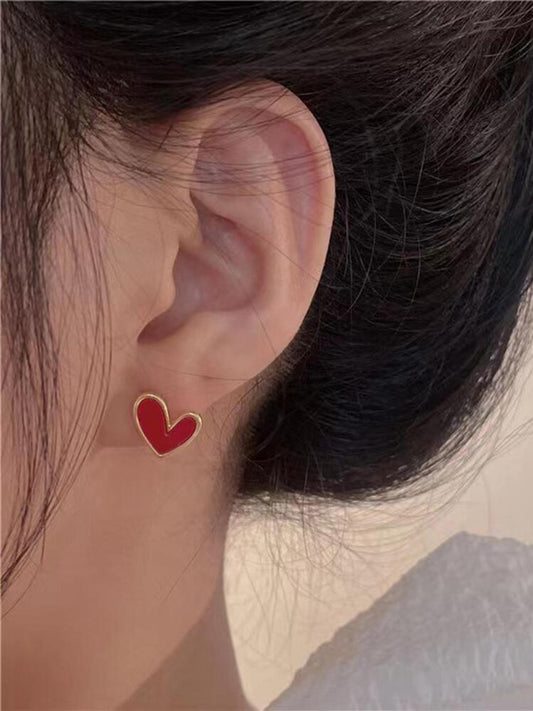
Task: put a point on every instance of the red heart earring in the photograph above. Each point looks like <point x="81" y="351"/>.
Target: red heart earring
<point x="153" y="421"/>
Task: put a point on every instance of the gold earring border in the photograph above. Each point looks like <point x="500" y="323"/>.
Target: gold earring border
<point x="169" y="424"/>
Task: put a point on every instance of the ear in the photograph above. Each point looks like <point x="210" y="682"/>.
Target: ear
<point x="241" y="212"/>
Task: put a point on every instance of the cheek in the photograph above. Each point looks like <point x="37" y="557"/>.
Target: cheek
<point x="10" y="417"/>
<point x="53" y="394"/>
<point x="78" y="315"/>
<point x="7" y="457"/>
<point x="79" y="325"/>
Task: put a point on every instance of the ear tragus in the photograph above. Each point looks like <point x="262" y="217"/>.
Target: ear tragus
<point x="217" y="273"/>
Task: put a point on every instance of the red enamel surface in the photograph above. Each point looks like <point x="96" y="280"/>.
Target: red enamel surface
<point x="151" y="418"/>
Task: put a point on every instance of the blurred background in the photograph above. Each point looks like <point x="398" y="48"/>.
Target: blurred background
<point x="294" y="577"/>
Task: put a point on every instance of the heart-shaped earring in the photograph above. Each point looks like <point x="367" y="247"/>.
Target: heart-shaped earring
<point x="153" y="422"/>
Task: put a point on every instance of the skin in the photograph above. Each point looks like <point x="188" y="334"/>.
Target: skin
<point x="210" y="274"/>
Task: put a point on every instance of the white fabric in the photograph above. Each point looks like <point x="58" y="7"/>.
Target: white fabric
<point x="456" y="632"/>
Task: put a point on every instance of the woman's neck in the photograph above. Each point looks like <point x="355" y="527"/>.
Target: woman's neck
<point x="127" y="601"/>
<point x="201" y="673"/>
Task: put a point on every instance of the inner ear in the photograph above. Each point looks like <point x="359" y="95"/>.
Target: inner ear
<point x="218" y="271"/>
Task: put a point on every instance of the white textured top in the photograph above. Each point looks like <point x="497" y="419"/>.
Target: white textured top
<point x="455" y="632"/>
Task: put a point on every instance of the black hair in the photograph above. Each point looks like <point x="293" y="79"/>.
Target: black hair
<point x="428" y="110"/>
